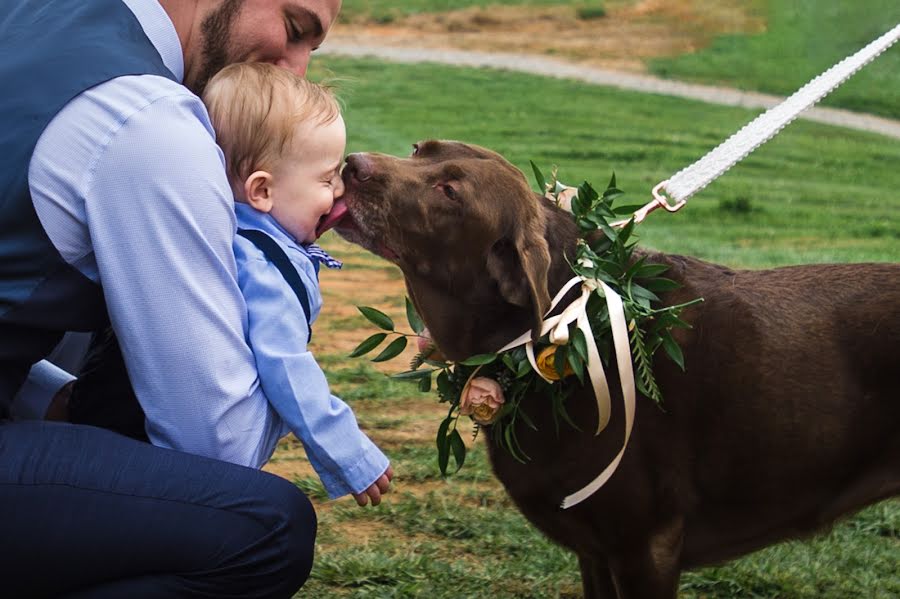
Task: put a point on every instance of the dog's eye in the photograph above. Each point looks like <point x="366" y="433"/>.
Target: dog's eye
<point x="415" y="149"/>
<point x="450" y="191"/>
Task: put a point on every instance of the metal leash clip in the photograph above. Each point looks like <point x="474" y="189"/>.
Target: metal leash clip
<point x="659" y="201"/>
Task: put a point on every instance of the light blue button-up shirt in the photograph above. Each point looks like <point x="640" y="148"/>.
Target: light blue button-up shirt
<point x="131" y="188"/>
<point x="342" y="455"/>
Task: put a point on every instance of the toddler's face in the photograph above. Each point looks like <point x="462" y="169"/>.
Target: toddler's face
<point x="307" y="179"/>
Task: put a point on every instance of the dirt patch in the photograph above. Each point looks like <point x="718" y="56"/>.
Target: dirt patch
<point x="629" y="33"/>
<point x="373" y="532"/>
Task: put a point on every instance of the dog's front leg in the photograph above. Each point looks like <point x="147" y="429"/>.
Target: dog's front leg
<point x="650" y="570"/>
<point x="596" y="578"/>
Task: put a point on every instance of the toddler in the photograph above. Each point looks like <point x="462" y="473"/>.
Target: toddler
<point x="283" y="139"/>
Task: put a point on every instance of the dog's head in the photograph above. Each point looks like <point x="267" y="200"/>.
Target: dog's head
<point x="462" y="224"/>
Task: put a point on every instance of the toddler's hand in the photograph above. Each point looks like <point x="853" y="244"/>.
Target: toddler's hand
<point x="376" y="489"/>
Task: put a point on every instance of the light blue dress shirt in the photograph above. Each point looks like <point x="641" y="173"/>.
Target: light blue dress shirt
<point x="131" y="188"/>
<point x="342" y="455"/>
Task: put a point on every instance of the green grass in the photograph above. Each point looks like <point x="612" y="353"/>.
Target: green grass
<point x="814" y="194"/>
<point x="378" y="11"/>
<point x="801" y="40"/>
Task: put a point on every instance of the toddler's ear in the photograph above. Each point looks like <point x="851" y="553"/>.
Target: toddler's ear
<point x="258" y="191"/>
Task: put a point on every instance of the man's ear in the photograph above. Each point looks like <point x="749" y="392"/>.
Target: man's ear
<point x="520" y="266"/>
<point x="258" y="191"/>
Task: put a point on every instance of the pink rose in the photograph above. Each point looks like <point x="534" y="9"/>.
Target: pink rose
<point x="427" y="348"/>
<point x="481" y="399"/>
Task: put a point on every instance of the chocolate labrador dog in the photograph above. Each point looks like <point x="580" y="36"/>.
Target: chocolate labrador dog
<point x="787" y="417"/>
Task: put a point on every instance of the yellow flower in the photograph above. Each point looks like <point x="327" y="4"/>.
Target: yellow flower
<point x="481" y="399"/>
<point x="546" y="363"/>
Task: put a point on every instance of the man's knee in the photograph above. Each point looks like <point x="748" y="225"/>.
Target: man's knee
<point x="296" y="533"/>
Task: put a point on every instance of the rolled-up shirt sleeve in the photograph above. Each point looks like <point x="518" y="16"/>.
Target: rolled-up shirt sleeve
<point x="343" y="456"/>
<point x="160" y="216"/>
<point x="44" y="381"/>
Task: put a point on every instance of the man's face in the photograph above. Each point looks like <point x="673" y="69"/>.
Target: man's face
<point x="282" y="32"/>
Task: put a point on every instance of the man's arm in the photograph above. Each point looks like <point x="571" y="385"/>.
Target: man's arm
<point x="159" y="222"/>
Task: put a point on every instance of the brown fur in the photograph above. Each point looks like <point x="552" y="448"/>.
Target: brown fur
<point x="787" y="417"/>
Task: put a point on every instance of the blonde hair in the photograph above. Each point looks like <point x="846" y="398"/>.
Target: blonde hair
<point x="255" y="109"/>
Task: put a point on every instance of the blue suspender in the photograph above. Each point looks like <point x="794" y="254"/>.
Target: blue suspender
<point x="277" y="256"/>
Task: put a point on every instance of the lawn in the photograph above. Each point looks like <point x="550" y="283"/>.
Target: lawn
<point x="814" y="194"/>
<point x="802" y="39"/>
<point x="382" y="12"/>
<point x="798" y="40"/>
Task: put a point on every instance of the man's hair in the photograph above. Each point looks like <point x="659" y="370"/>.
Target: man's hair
<point x="255" y="109"/>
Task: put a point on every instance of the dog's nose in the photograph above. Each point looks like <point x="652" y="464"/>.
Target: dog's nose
<point x="359" y="166"/>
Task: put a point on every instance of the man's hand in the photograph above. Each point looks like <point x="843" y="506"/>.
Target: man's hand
<point x="58" y="409"/>
<point x="376" y="489"/>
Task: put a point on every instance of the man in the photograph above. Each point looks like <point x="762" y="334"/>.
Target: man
<point x="114" y="207"/>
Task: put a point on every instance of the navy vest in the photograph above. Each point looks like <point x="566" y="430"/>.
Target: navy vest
<point x="50" y="51"/>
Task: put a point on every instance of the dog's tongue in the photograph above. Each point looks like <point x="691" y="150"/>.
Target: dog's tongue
<point x="337" y="214"/>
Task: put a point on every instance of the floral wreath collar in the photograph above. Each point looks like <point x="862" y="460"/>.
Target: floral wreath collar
<point x="614" y="314"/>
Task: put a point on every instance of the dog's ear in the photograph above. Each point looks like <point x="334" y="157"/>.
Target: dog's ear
<point x="520" y="265"/>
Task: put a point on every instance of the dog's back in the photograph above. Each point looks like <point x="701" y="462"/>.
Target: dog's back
<point x="793" y="388"/>
<point x="787" y="416"/>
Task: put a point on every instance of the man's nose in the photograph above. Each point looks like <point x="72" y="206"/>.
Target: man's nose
<point x="296" y="60"/>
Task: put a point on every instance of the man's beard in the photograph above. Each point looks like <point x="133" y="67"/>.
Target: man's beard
<point x="216" y="30"/>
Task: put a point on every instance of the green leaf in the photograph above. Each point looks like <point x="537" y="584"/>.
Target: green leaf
<point x="559" y="360"/>
<point x="458" y="448"/>
<point x="610" y="233"/>
<point x="412" y="375"/>
<point x="394" y="349"/>
<point x="368" y="345"/>
<point x="509" y="362"/>
<point x="651" y="270"/>
<point x="612" y="182"/>
<point x="579" y="342"/>
<point x="443" y="445"/>
<point x="479" y="359"/>
<point x="626" y="209"/>
<point x="660" y="284"/>
<point x="626" y="231"/>
<point x="566" y="417"/>
<point x="510" y="444"/>
<point x="539" y="177"/>
<point x="577" y="365"/>
<point x="639" y="292"/>
<point x="413" y="318"/>
<point x="610" y="195"/>
<point x="436" y="363"/>
<point x="527" y="419"/>
<point x="524" y="369"/>
<point x="634" y="268"/>
<point x="377" y="317"/>
<point x="587" y="195"/>
<point x="673" y="350"/>
<point x="445" y="389"/>
<point x="425" y="384"/>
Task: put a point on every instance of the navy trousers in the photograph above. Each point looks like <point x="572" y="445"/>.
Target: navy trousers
<point x="85" y="512"/>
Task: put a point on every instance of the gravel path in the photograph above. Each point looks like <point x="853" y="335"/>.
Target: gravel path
<point x="643" y="83"/>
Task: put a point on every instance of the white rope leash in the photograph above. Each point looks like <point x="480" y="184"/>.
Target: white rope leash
<point x="695" y="177"/>
<point x="681" y="186"/>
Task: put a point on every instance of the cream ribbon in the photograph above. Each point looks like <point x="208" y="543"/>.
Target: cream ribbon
<point x="558" y="327"/>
